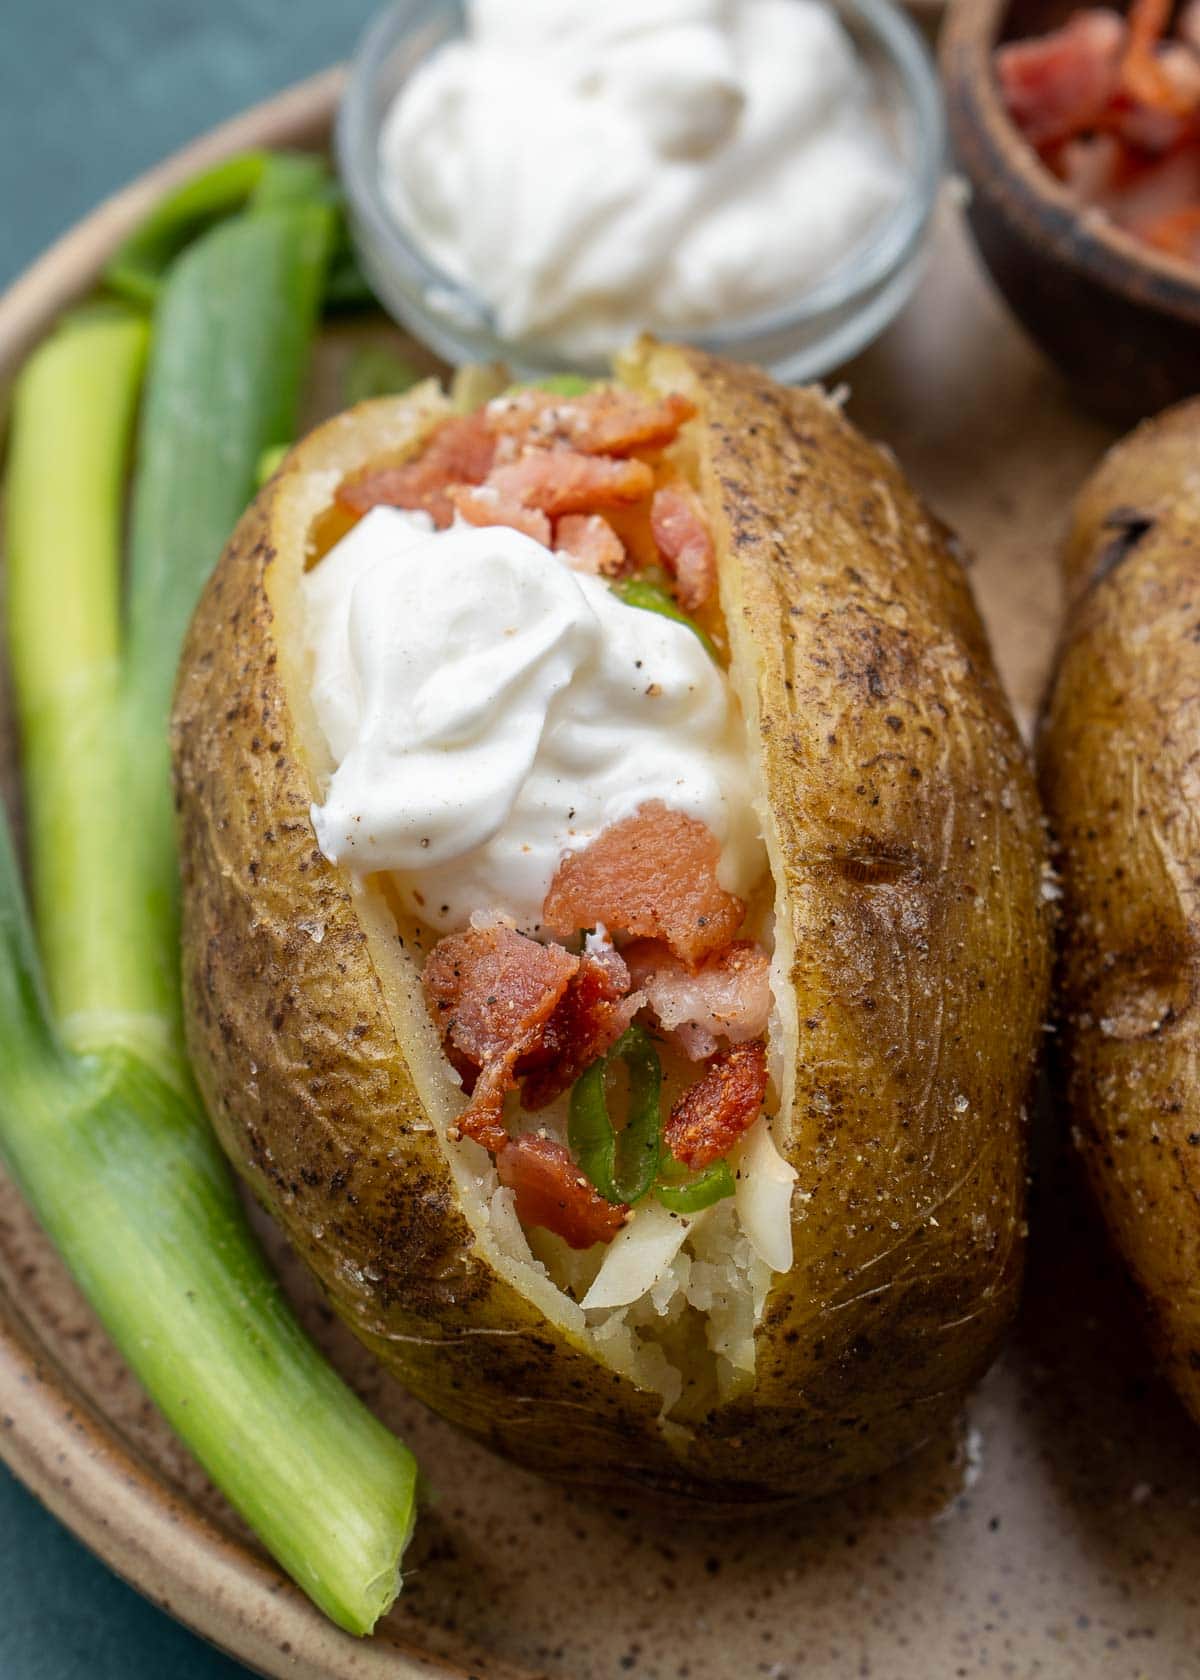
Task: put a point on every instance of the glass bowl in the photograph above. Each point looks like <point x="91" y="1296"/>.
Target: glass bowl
<point x="828" y="322"/>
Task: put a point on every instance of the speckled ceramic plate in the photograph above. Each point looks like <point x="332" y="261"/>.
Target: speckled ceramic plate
<point x="1056" y="1532"/>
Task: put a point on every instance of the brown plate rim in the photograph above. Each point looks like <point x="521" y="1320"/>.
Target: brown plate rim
<point x="51" y="1437"/>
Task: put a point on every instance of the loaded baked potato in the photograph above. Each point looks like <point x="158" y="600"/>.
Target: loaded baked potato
<point x="704" y="1171"/>
<point x="1118" y="752"/>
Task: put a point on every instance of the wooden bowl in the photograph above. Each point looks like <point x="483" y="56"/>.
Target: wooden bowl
<point x="1121" y="320"/>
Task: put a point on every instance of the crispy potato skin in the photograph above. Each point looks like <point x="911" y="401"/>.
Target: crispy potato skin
<point x="911" y="841"/>
<point x="1119" y="759"/>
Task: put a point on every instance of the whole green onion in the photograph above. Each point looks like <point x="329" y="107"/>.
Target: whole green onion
<point x="346" y="286"/>
<point x="121" y="1168"/>
<point x="136" y="269"/>
<point x="72" y="421"/>
<point x="231" y="338"/>
<point x="622" y="1165"/>
<point x="292" y="178"/>
<point x="105" y="1132"/>
<point x="251" y="181"/>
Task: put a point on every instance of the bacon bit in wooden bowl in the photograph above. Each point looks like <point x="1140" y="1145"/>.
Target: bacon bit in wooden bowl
<point x="1111" y="104"/>
<point x="1079" y="130"/>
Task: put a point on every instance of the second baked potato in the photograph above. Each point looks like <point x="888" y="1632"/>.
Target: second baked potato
<point x="906" y="915"/>
<point x="1119" y="755"/>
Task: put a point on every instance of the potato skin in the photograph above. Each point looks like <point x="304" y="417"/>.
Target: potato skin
<point x="1119" y="759"/>
<point x="912" y="843"/>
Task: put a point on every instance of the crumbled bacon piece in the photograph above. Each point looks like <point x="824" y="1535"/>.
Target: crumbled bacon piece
<point x="590" y="1018"/>
<point x="728" y="996"/>
<point x="484" y="505"/>
<point x="607" y="421"/>
<point x="654" y="875"/>
<point x="1161" y="191"/>
<point x="684" y="543"/>
<point x="1058" y="84"/>
<point x="632" y="525"/>
<point x="712" y="1114"/>
<point x="550" y="1191"/>
<point x="1144" y="74"/>
<point x="491" y="991"/>
<point x="460" y="451"/>
<point x="1147" y="132"/>
<point x="591" y="544"/>
<point x="1177" y="233"/>
<point x="558" y="481"/>
<point x="599" y="949"/>
<point x="1113" y="106"/>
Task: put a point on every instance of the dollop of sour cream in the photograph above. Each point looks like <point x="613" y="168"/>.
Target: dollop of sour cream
<point x="593" y="170"/>
<point x="488" y="709"/>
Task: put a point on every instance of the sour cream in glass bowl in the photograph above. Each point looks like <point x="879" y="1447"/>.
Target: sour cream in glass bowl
<point x="535" y="181"/>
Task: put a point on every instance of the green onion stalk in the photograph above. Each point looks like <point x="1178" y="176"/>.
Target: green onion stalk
<point x="100" y="1123"/>
<point x="625" y="1164"/>
<point x="232" y="332"/>
<point x="253" y="181"/>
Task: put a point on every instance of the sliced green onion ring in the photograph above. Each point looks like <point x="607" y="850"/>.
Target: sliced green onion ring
<point x="622" y="1165"/>
<point x="269" y="463"/>
<point x="566" y="384"/>
<point x="712" y="1185"/>
<point x="558" y="385"/>
<point x="651" y="597"/>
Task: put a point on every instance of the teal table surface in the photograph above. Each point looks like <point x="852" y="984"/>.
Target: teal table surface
<point x="89" y="97"/>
